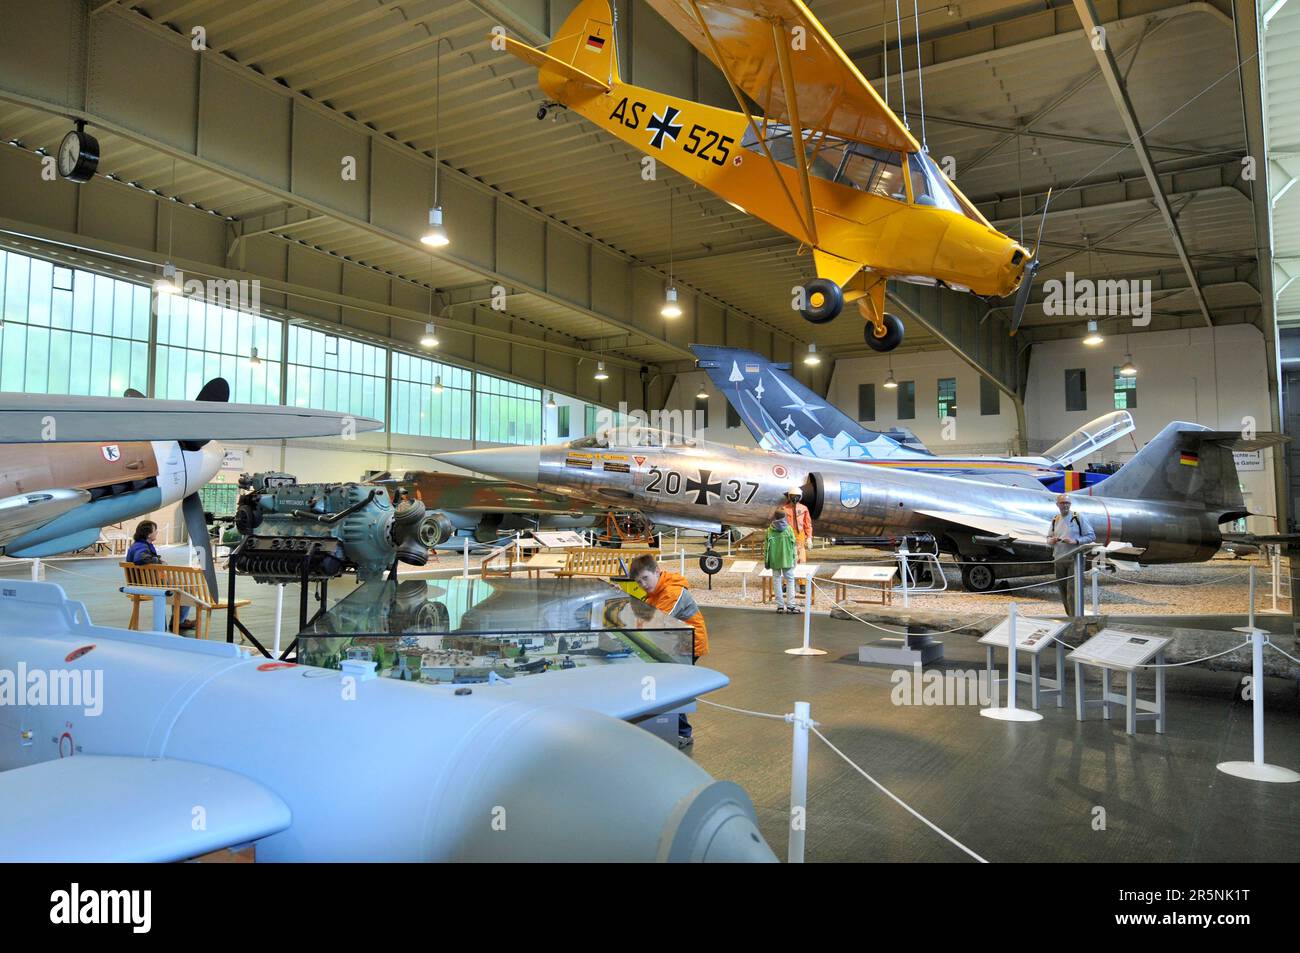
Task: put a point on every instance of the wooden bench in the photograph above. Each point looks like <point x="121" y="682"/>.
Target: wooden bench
<point x="604" y="563"/>
<point x="193" y="582"/>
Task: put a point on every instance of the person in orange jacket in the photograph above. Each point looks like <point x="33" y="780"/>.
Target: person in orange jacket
<point x="670" y="593"/>
<point x="800" y="521"/>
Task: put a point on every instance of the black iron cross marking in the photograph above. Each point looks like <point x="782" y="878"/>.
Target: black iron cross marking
<point x="663" y="125"/>
<point x="703" y="488"/>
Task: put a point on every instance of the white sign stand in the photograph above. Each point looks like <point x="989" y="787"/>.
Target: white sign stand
<point x="744" y="567"/>
<point x="1110" y="651"/>
<point x="1011" y="712"/>
<point x="1032" y="636"/>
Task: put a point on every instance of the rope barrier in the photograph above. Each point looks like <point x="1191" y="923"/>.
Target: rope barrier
<point x="1195" y="660"/>
<point x="858" y="618"/>
<point x="1287" y="654"/>
<point x="813" y="727"/>
<point x="899" y="801"/>
<point x="743" y="711"/>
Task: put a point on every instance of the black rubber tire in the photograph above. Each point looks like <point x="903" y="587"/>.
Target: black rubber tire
<point x="976" y="577"/>
<point x="893" y="334"/>
<point x="711" y="563"/>
<point x="832" y="301"/>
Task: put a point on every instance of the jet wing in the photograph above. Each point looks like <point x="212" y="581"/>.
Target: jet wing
<point x="832" y="96"/>
<point x="97" y="808"/>
<point x="619" y="691"/>
<point x="1018" y="530"/>
<point x="43" y="418"/>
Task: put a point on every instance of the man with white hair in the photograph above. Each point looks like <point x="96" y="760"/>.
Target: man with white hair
<point x="1069" y="531"/>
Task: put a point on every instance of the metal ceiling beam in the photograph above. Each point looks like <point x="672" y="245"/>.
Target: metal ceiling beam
<point x="1119" y="93"/>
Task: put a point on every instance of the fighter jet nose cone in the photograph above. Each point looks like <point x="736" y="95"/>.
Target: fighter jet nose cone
<point x="518" y="464"/>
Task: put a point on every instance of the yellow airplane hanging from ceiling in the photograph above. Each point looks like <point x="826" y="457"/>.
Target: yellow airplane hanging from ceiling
<point x="861" y="193"/>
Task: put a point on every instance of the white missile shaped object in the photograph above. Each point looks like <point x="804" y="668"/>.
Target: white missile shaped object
<point x="120" y="745"/>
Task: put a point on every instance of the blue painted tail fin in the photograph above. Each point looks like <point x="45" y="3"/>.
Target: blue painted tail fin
<point x="784" y="415"/>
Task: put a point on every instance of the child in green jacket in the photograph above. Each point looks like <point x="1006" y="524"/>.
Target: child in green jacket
<point x="779" y="556"/>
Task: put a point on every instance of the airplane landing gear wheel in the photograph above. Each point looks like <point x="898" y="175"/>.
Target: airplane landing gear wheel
<point x="976" y="577"/>
<point x="823" y="301"/>
<point x="711" y="563"/>
<point x="892" y="337"/>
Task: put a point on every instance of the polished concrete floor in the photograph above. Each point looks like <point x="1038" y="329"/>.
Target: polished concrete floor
<point x="1010" y="792"/>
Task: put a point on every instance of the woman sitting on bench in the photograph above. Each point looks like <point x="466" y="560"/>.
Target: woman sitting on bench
<point x="143" y="553"/>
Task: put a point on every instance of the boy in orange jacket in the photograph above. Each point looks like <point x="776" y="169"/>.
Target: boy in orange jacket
<point x="669" y="592"/>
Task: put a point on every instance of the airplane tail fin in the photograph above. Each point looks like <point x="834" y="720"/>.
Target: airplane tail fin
<point x="583" y="51"/>
<point x="1188" y="463"/>
<point x="784" y="415"/>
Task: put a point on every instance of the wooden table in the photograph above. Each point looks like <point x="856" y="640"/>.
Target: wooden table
<point x="869" y="578"/>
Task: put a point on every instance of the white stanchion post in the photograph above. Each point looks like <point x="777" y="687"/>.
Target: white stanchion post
<point x="1275" y="566"/>
<point x="1011" y="712"/>
<point x="806" y="648"/>
<point x="1096" y="586"/>
<point x="1250" y="622"/>
<point x="279" y="613"/>
<point x="465" y="550"/>
<point x="799" y="783"/>
<point x="1258" y="770"/>
<point x="681" y="561"/>
<point x="728" y="543"/>
<point x="36" y="570"/>
<point x="903" y="572"/>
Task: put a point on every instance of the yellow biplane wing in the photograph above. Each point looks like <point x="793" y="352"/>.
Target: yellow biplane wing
<point x="830" y="95"/>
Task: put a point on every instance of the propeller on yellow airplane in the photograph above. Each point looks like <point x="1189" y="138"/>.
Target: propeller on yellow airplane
<point x="1031" y="269"/>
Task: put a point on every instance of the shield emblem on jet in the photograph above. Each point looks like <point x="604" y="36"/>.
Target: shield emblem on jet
<point x="850" y="495"/>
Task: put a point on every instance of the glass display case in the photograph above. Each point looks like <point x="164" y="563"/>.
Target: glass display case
<point x="463" y="631"/>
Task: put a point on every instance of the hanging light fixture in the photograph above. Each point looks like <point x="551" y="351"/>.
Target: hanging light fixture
<point x="429" y="338"/>
<point x="435" y="236"/>
<point x="811" y="358"/>
<point x="1128" y="368"/>
<point x="167" y="284"/>
<point x="600" y="374"/>
<point x="671" y="308"/>
<point x="550" y="402"/>
<point x="702" y="394"/>
<point x="1093" y="337"/>
<point x="890" y="383"/>
<point x="253" y="359"/>
<point x="437" y="384"/>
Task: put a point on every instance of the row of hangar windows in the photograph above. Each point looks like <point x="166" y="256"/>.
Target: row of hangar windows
<point x="69" y="331"/>
<point x="1123" y="392"/>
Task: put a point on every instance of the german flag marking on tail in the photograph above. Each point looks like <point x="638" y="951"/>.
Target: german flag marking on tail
<point x="1188" y="459"/>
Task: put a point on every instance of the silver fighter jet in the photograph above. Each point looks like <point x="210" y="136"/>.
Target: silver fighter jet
<point x="1165" y="505"/>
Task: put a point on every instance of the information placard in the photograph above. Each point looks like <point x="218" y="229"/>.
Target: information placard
<point x="1112" y="648"/>
<point x="1032" y="635"/>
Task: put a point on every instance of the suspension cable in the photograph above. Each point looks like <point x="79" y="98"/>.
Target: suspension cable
<point x="902" y="82"/>
<point x="920" y="75"/>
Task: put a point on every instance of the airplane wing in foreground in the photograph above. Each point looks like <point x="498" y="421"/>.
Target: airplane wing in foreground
<point x="138" y="809"/>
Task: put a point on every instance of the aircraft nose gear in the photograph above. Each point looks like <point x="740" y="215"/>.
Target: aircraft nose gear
<point x="883" y="334"/>
<point x="711" y="563"/>
<point x="823" y="301"/>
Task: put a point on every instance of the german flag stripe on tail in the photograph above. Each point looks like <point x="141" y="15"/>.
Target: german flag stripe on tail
<point x="595" y="43"/>
<point x="1188" y="459"/>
